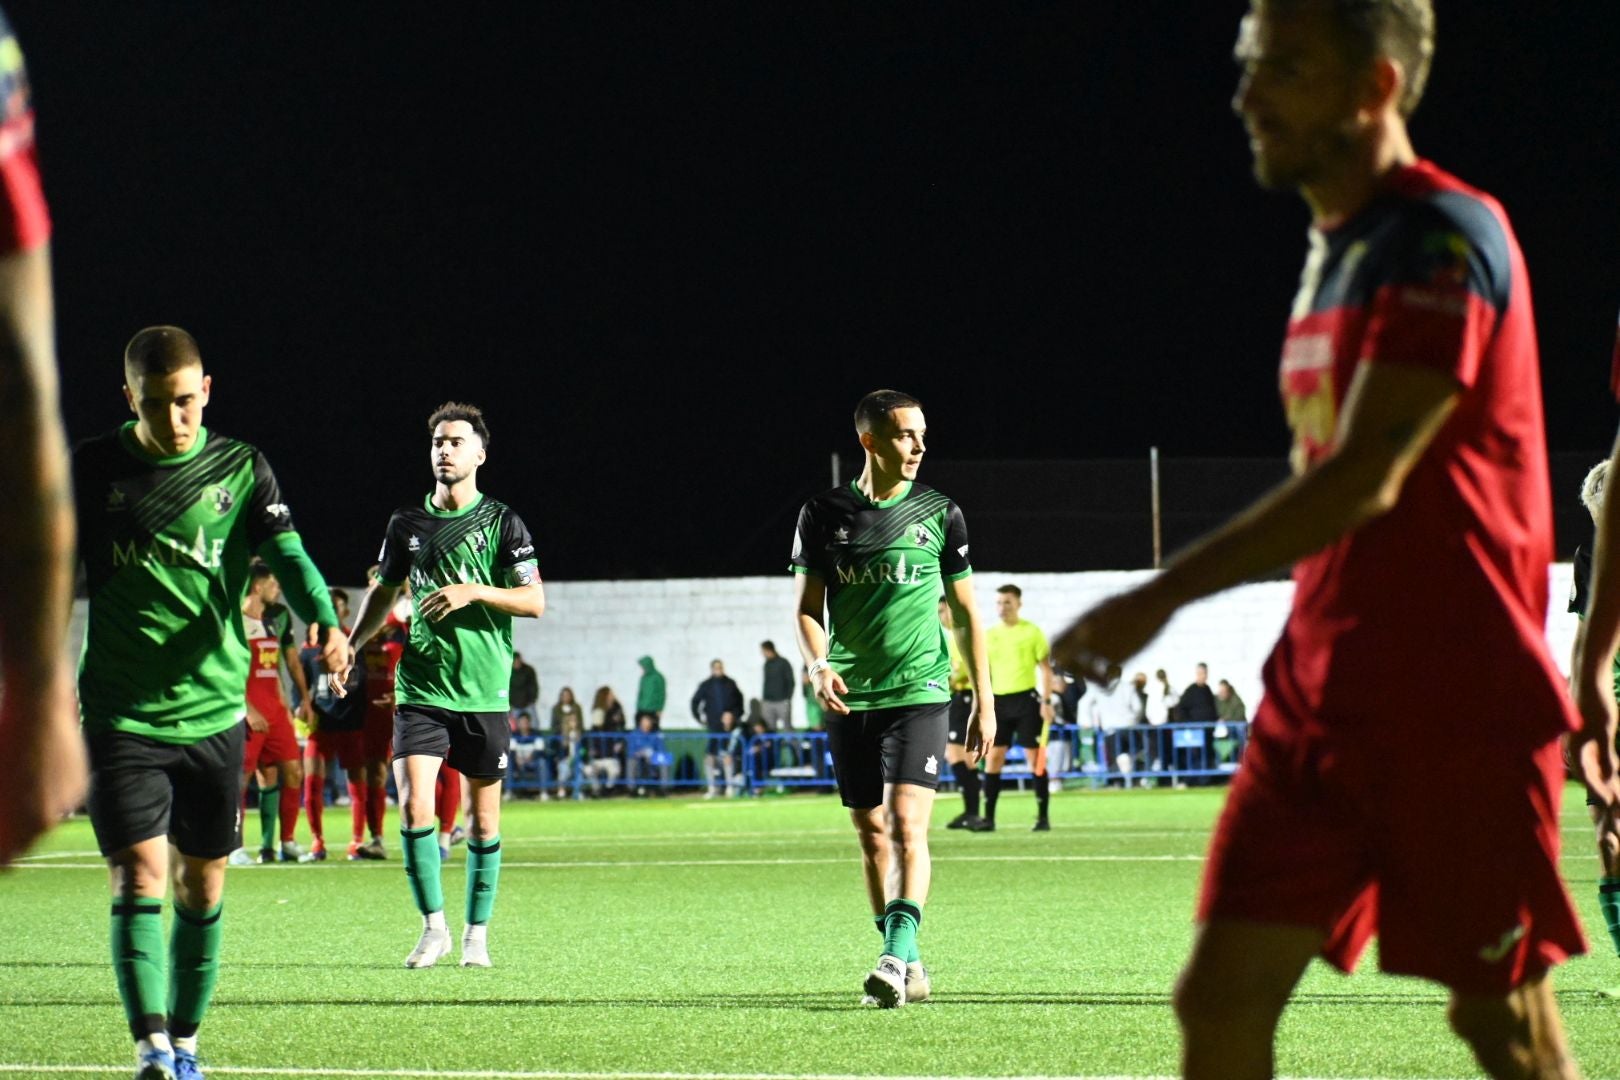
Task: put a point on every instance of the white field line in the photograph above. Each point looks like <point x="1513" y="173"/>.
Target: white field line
<point x="513" y="1074"/>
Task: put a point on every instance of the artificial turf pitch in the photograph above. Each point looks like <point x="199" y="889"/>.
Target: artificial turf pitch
<point x="686" y="938"/>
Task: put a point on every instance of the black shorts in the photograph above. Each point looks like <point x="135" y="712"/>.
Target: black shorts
<point x="1018" y="717"/>
<point x="905" y="745"/>
<point x="474" y="743"/>
<point x="961" y="709"/>
<point x="141" y="788"/>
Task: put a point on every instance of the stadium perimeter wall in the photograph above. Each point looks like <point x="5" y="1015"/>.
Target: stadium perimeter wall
<point x="593" y="631"/>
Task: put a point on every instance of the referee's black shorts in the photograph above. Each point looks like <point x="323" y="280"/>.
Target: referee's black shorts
<point x="1018" y="719"/>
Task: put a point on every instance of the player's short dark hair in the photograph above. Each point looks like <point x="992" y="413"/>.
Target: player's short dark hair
<point x="1015" y="590"/>
<point x="258" y="570"/>
<point x="338" y="594"/>
<point x="456" y="410"/>
<point x="160" y="350"/>
<point x="879" y="405"/>
<point x="1402" y="30"/>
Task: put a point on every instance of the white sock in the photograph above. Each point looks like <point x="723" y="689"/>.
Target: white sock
<point x="156" y="1041"/>
<point x="444" y="837"/>
<point x="187" y="1043"/>
<point x="476" y="935"/>
<point x="434" y="921"/>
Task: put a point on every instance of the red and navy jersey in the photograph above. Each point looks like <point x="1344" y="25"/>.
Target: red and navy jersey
<point x="25" y="222"/>
<point x="1439" y="606"/>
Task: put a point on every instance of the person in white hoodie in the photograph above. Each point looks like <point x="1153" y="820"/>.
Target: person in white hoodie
<point x="1111" y="707"/>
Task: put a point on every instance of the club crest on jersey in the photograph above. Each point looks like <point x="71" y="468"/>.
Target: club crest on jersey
<point x="116" y="500"/>
<point x="479" y="543"/>
<point x="921" y="536"/>
<point x="220" y="498"/>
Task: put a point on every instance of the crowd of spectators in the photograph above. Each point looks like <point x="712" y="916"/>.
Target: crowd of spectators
<point x="1124" y="725"/>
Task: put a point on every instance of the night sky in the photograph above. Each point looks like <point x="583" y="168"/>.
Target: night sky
<point x="666" y="247"/>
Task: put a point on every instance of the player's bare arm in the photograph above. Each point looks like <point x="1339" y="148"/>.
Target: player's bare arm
<point x="368" y="619"/>
<point x="1592" y="747"/>
<point x="980" y="735"/>
<point x="523" y="601"/>
<point x="1391" y="414"/>
<point x="39" y="719"/>
<point x="812" y="636"/>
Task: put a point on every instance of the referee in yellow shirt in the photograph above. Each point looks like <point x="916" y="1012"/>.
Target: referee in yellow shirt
<point x="1021" y="676"/>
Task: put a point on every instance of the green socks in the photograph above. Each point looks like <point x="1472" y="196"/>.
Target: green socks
<point x="137" y="958"/>
<point x="1609" y="904"/>
<point x="193" y="967"/>
<point x="269" y="817"/>
<point x="422" y="868"/>
<point x="483" y="874"/>
<point x="900" y="921"/>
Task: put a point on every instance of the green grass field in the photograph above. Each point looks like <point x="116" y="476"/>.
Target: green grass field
<point x="683" y="938"/>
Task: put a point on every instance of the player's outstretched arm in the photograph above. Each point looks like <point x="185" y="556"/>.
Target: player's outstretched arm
<point x="39" y="718"/>
<point x="368" y="619"/>
<point x="1592" y="747"/>
<point x="306" y="593"/>
<point x="969" y="631"/>
<point x="812" y="636"/>
<point x="1391" y="414"/>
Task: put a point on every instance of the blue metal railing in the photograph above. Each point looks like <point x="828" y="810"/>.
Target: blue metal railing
<point x="607" y="762"/>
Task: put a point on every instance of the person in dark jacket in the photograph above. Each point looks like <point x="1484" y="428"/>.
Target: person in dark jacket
<point x="718" y="706"/>
<point x="521" y="694"/>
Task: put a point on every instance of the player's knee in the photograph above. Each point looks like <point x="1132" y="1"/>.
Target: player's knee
<point x="908" y="831"/>
<point x="1205" y="1000"/>
<point x="1609" y="851"/>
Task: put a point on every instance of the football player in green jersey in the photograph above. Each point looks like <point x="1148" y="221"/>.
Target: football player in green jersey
<point x="871" y="560"/>
<point x="470" y="563"/>
<point x="169" y="515"/>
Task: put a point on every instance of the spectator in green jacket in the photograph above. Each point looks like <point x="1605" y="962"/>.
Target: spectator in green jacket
<point x="650" y="693"/>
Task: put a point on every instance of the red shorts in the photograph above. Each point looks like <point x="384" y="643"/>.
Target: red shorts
<point x="265" y="748"/>
<point x="377" y="740"/>
<point x="1447" y="850"/>
<point x="346" y="746"/>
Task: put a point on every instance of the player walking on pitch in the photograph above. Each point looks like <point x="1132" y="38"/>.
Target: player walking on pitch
<point x="470" y="563"/>
<point x="1420" y="522"/>
<point x="871" y="559"/>
<point x="170" y="515"/>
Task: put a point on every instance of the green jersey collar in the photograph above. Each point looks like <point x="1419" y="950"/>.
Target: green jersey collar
<point x="905" y="489"/>
<point x="126" y="435"/>
<point x="427" y="503"/>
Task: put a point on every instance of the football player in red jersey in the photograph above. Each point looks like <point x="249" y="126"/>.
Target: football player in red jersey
<point x="272" y="744"/>
<point x="39" y="718"/>
<point x="380" y="658"/>
<point x="1420" y="524"/>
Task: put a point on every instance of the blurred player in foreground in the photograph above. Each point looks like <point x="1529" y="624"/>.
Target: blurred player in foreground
<point x="39" y="721"/>
<point x="871" y="560"/>
<point x="170" y="514"/>
<point x="1420" y="522"/>
<point x="470" y="562"/>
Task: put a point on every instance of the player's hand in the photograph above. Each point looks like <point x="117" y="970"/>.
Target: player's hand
<point x="829" y="684"/>
<point x="256" y="720"/>
<point x="981" y="731"/>
<point x="1590" y="749"/>
<point x="44" y="750"/>
<point x="1112" y="632"/>
<point x="306" y="712"/>
<point x="447" y="598"/>
<point x="335" y="652"/>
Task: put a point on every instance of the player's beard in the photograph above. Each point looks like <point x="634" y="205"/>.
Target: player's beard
<point x="448" y="476"/>
<point x="1318" y="152"/>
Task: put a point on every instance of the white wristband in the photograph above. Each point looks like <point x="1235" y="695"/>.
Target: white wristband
<point x="818" y="665"/>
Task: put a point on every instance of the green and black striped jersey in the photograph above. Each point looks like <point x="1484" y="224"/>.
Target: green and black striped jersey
<point x="165" y="544"/>
<point x="885" y="565"/>
<point x="464" y="661"/>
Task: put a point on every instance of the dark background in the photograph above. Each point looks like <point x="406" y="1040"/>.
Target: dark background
<point x="667" y="247"/>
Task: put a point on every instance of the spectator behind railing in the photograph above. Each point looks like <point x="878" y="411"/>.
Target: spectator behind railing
<point x="521" y="695"/>
<point x="1161" y="702"/>
<point x="647" y="758"/>
<point x="718" y="706"/>
<point x="650" y="693"/>
<point x="1111" y="709"/>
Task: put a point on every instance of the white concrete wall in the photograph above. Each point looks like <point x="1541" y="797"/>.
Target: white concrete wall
<point x="593" y="631"/>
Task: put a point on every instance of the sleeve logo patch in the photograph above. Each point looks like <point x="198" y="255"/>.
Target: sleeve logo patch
<point x="278" y="511"/>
